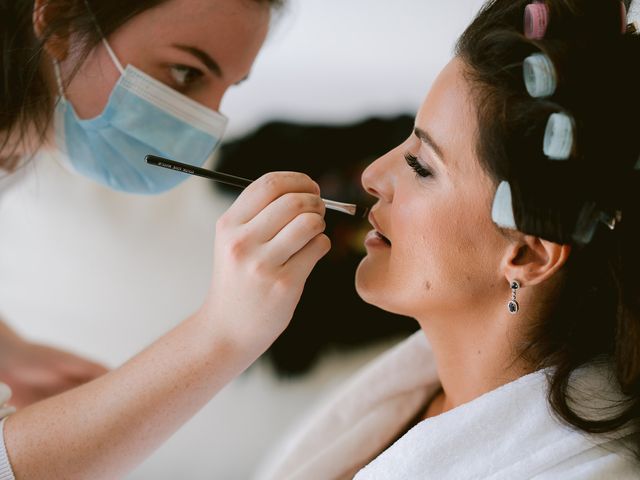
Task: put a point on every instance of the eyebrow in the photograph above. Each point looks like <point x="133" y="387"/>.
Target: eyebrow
<point x="426" y="138"/>
<point x="204" y="57"/>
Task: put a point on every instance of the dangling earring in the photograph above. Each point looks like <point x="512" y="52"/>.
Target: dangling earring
<point x="513" y="305"/>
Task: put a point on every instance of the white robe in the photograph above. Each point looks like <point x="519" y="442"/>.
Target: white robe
<point x="509" y="433"/>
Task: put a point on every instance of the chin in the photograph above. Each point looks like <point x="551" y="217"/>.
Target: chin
<point x="366" y="280"/>
<point x="372" y="288"/>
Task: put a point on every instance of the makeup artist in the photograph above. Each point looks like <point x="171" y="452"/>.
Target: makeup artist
<point x="112" y="81"/>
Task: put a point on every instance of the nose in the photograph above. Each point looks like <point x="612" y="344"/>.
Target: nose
<point x="213" y="102"/>
<point x="378" y="178"/>
<point x="211" y="98"/>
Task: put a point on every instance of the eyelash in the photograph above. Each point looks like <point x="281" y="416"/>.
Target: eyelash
<point x="191" y="75"/>
<point x="420" y="170"/>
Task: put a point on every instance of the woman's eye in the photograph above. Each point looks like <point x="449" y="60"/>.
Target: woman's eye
<point x="417" y="167"/>
<point x="184" y="76"/>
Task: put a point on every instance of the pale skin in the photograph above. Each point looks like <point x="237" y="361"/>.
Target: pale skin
<point x="449" y="266"/>
<point x="267" y="244"/>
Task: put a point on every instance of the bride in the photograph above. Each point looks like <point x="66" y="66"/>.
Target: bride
<point x="507" y="225"/>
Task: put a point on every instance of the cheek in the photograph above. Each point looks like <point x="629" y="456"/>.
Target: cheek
<point x="421" y="254"/>
<point x="91" y="86"/>
<point x="468" y="253"/>
<point x="399" y="280"/>
<point x="446" y="252"/>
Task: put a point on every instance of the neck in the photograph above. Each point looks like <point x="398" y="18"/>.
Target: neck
<point x="475" y="353"/>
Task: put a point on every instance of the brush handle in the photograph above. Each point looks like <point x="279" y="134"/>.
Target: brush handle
<point x="200" y="172"/>
<point x="348" y="208"/>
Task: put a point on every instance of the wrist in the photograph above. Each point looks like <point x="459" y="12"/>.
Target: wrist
<point x="238" y="350"/>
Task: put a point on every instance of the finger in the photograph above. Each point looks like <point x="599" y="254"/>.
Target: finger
<point x="300" y="265"/>
<point x="292" y="238"/>
<point x="281" y="212"/>
<point x="264" y="191"/>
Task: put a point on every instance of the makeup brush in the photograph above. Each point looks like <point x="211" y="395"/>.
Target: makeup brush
<point x="348" y="208"/>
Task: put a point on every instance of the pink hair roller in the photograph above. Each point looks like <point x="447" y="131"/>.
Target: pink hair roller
<point x="536" y="20"/>
<point x="624" y="17"/>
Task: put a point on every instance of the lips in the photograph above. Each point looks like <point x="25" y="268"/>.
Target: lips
<point x="372" y="221"/>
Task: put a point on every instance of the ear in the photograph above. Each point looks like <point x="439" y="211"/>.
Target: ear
<point x="44" y="14"/>
<point x="532" y="260"/>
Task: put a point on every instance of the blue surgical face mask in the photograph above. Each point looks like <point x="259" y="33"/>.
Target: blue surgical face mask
<point x="143" y="116"/>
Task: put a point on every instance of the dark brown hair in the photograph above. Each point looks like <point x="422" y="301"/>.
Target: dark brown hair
<point x="25" y="101"/>
<point x="597" y="311"/>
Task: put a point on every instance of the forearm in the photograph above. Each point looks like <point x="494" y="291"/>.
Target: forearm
<point x="106" y="427"/>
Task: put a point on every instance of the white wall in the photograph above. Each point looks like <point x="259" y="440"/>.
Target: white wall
<point x="340" y="60"/>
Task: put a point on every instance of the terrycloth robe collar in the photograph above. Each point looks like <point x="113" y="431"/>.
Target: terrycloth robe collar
<point x="507" y="433"/>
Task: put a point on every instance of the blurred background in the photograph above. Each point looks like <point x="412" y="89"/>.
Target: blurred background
<point x="103" y="274"/>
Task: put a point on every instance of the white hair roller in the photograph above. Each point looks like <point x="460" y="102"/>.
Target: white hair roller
<point x="502" y="211"/>
<point x="539" y="75"/>
<point x="558" y="136"/>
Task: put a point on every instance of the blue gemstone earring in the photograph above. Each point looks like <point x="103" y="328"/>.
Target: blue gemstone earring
<point x="513" y="305"/>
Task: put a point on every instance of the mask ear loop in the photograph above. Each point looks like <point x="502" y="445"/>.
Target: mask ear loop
<point x="112" y="55"/>
<point x="110" y="51"/>
<point x="58" y="74"/>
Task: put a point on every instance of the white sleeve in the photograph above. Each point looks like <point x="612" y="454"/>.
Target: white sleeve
<point x="6" y="472"/>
